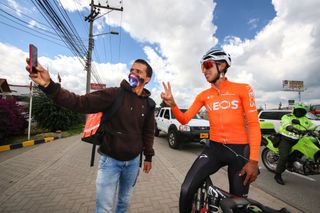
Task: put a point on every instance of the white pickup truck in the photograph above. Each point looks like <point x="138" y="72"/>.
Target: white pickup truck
<point x="194" y="131"/>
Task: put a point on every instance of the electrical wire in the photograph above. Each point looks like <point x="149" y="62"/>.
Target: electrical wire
<point x="62" y="26"/>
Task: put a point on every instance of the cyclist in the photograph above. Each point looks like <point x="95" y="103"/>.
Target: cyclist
<point x="290" y="134"/>
<point x="230" y="107"/>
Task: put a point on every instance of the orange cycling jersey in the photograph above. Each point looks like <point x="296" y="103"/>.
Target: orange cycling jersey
<point x="230" y="108"/>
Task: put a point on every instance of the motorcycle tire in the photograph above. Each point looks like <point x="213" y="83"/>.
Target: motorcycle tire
<point x="269" y="159"/>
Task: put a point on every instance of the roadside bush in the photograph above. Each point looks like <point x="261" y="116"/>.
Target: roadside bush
<point x="53" y="117"/>
<point x="12" y="118"/>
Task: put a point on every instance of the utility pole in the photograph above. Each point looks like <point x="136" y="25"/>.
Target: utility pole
<point x="94" y="12"/>
<point x="30" y="109"/>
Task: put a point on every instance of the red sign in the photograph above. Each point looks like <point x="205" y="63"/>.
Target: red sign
<point x="95" y="86"/>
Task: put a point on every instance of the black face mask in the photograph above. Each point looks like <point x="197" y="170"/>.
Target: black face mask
<point x="299" y="112"/>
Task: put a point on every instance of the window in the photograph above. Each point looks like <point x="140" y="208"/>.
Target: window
<point x="161" y="113"/>
<point x="166" y="114"/>
<point x="273" y="115"/>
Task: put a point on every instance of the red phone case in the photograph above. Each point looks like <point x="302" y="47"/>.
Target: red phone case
<point x="32" y="57"/>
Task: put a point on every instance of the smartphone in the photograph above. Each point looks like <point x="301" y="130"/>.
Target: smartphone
<point x="33" y="58"/>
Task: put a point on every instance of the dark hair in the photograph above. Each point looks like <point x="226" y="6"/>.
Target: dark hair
<point x="149" y="68"/>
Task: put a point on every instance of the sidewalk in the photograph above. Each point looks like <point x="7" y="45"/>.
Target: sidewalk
<point x="56" y="177"/>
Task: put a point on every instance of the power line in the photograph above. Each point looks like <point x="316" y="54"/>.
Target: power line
<point x="45" y="33"/>
<point x="62" y="26"/>
<point x="30" y="33"/>
<point x="32" y="18"/>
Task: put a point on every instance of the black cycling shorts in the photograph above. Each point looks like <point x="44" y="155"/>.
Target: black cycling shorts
<point x="213" y="157"/>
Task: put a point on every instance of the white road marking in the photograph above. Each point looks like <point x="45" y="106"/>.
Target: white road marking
<point x="293" y="173"/>
<point x="302" y="176"/>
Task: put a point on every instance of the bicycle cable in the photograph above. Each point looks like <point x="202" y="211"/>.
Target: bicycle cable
<point x="236" y="154"/>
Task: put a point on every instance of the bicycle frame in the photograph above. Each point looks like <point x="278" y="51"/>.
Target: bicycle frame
<point x="209" y="199"/>
<point x="207" y="191"/>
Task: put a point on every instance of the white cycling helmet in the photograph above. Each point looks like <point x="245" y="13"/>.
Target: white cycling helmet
<point x="217" y="55"/>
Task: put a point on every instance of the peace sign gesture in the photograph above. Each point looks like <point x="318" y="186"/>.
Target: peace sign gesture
<point x="167" y="95"/>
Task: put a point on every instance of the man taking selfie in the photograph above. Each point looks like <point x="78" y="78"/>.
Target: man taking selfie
<point x="129" y="133"/>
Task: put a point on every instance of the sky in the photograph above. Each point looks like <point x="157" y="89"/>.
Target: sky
<point x="269" y="41"/>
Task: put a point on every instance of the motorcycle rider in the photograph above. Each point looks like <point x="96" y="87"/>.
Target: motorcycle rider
<point x="292" y="126"/>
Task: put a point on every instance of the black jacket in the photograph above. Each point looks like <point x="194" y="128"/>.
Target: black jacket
<point x="131" y="129"/>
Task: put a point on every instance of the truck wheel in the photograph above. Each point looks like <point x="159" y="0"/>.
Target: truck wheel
<point x="173" y="140"/>
<point x="156" y="132"/>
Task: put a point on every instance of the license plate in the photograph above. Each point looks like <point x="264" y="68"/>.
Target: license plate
<point x="204" y="135"/>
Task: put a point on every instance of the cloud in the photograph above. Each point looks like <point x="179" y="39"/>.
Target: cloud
<point x="181" y="31"/>
<point x="11" y="68"/>
<point x="73" y="6"/>
<point x="253" y="23"/>
<point x="286" y="49"/>
<point x="70" y="69"/>
<point x="175" y="34"/>
<point x="16" y="6"/>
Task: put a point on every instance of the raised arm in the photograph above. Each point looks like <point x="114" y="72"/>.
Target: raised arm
<point x="183" y="118"/>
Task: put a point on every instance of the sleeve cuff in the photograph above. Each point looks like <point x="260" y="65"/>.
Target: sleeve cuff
<point x="148" y="158"/>
<point x="50" y="89"/>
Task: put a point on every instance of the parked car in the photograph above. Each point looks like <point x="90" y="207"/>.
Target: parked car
<point x="194" y="131"/>
<point x="275" y="116"/>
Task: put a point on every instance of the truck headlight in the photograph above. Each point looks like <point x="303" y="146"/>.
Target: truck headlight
<point x="184" y="128"/>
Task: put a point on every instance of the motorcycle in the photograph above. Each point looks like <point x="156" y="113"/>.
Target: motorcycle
<point x="304" y="156"/>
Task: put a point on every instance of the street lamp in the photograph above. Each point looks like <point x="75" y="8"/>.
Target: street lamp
<point x="89" y="54"/>
<point x="111" y="32"/>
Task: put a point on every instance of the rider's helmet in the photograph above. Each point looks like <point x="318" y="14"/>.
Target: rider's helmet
<point x="217" y="55"/>
<point x="300" y="110"/>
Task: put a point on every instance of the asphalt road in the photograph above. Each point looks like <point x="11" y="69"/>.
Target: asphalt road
<point x="300" y="191"/>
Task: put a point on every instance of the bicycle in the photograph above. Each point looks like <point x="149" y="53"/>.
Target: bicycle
<point x="210" y="198"/>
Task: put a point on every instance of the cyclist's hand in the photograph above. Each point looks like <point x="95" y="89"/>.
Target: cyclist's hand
<point x="167" y="95"/>
<point x="251" y="170"/>
<point x="147" y="166"/>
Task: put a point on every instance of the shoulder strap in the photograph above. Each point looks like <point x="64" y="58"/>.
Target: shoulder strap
<point x="107" y="115"/>
<point x="110" y="111"/>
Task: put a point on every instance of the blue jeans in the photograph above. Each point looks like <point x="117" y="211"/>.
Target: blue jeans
<point x="115" y="175"/>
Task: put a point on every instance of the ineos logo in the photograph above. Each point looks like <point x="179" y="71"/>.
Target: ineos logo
<point x="225" y="105"/>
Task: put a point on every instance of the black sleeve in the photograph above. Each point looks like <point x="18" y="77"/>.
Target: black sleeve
<point x="294" y="130"/>
<point x="148" y="131"/>
<point x="93" y="102"/>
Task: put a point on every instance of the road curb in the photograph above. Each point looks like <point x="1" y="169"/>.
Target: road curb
<point x="27" y="143"/>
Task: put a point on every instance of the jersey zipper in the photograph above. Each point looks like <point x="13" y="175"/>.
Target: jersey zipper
<point x="224" y="141"/>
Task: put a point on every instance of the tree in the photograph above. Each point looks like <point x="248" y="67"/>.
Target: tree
<point x="53" y="117"/>
<point x="12" y="118"/>
<point x="163" y="104"/>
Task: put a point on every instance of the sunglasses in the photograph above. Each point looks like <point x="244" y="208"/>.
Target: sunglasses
<point x="209" y="64"/>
